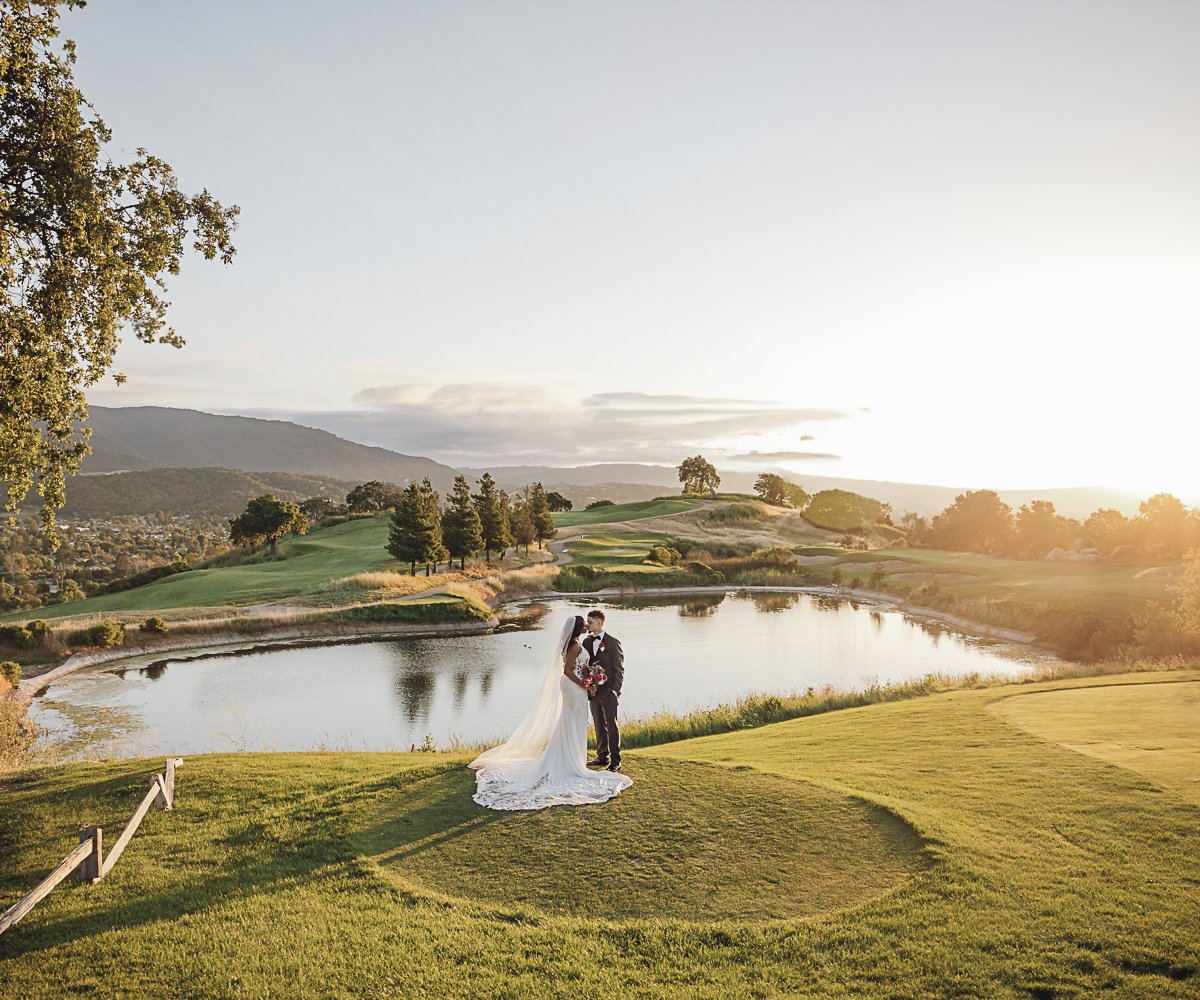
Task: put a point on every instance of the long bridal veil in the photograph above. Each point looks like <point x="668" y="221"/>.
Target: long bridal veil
<point x="533" y="733"/>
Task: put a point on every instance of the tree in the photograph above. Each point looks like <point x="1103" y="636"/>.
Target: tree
<point x="372" y="497"/>
<point x="776" y="490"/>
<point x="1107" y="528"/>
<point x="524" y="531"/>
<point x="415" y="532"/>
<point x="977" y="521"/>
<point x="1165" y="525"/>
<point x="405" y="543"/>
<point x="267" y="519"/>
<point x="599" y="503"/>
<point x="316" y="508"/>
<point x="431" y="527"/>
<point x="490" y="504"/>
<point x="1039" y="529"/>
<point x="539" y="513"/>
<point x="698" y="476"/>
<point x="462" y="532"/>
<point x="841" y="510"/>
<point x="86" y="246"/>
<point x="559" y="504"/>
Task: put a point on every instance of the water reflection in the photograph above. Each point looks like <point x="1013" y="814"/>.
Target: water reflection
<point x="682" y="653"/>
<point x="771" y="603"/>
<point x="703" y="606"/>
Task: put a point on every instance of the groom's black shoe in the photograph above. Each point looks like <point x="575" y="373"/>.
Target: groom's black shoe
<point x="614" y="766"/>
<point x="598" y="762"/>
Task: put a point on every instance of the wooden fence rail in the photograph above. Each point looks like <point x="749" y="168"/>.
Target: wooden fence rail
<point x="87" y="860"/>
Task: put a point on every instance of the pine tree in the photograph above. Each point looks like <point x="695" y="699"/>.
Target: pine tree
<point x="539" y="511"/>
<point x="493" y="517"/>
<point x="521" y="519"/>
<point x="461" y="531"/>
<point x="433" y="550"/>
<point x="404" y="535"/>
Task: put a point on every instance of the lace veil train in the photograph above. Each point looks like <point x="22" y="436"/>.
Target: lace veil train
<point x="533" y="733"/>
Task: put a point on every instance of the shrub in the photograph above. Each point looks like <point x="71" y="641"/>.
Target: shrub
<point x="105" y="634"/>
<point x="144" y="577"/>
<point x="599" y="503"/>
<point x="736" y="513"/>
<point x="664" y="555"/>
<point x="155" y="625"/>
<point x="710" y="575"/>
<point x="39" y="628"/>
<point x="17" y="636"/>
<point x="11" y="672"/>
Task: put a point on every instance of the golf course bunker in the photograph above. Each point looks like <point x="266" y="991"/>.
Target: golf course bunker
<point x="686" y="841"/>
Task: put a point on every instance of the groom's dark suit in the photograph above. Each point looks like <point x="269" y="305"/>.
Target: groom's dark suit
<point x="609" y="657"/>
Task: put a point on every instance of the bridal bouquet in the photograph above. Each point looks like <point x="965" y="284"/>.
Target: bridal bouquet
<point x="594" y="677"/>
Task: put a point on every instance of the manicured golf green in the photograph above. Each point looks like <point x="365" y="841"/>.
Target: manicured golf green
<point x="1150" y="729"/>
<point x="628" y="511"/>
<point x="916" y="848"/>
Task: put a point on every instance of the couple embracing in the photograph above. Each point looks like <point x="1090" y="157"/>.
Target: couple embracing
<point x="544" y="762"/>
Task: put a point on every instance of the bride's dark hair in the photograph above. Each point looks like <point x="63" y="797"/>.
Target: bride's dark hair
<point x="579" y="627"/>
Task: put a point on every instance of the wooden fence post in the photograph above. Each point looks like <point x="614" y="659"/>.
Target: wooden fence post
<point x="91" y="869"/>
<point x="170" y="782"/>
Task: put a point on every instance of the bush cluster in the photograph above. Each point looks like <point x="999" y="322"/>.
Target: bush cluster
<point x="144" y="577"/>
<point x="106" y="634"/>
<point x="11" y="672"/>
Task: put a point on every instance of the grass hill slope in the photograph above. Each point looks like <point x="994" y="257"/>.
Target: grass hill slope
<point x="305" y="562"/>
<point x="195" y="492"/>
<point x="154" y="437"/>
<point x="919" y="848"/>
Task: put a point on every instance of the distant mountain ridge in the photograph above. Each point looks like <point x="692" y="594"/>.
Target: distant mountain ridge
<point x="925" y="499"/>
<point x="161" y="437"/>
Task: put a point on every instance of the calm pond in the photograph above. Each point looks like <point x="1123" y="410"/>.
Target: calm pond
<point x="681" y="653"/>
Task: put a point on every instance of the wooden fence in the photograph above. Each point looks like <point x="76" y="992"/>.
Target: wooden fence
<point x="88" y="860"/>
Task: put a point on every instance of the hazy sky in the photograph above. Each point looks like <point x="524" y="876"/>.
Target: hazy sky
<point x="938" y="242"/>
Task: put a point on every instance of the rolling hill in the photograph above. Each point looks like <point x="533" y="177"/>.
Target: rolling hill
<point x="922" y="498"/>
<point x="194" y="492"/>
<point x="139" y="438"/>
<point x="161" y="437"/>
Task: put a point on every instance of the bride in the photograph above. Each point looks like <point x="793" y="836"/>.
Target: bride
<point x="543" y="763"/>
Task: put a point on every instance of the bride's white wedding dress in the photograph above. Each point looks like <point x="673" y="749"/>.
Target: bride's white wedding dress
<point x="544" y="762"/>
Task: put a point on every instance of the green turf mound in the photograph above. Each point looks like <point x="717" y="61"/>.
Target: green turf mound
<point x="686" y="841"/>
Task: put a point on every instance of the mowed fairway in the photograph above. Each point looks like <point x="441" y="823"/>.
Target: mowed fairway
<point x="1101" y="587"/>
<point x="618" y="513"/>
<point x="1150" y="729"/>
<point x="310" y="560"/>
<point x="919" y="848"/>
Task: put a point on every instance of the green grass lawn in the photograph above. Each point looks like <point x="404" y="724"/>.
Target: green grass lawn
<point x="618" y="550"/>
<point x="1100" y="587"/>
<point x="627" y="511"/>
<point x="917" y="848"/>
<point x="351" y="547"/>
<point x="1149" y="729"/>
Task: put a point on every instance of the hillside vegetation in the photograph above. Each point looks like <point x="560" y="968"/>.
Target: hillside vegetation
<point x="193" y="492"/>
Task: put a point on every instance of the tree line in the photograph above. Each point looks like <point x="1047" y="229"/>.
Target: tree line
<point x="425" y="532"/>
<point x="979" y="521"/>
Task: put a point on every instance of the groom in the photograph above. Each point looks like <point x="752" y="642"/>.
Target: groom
<point x="606" y="653"/>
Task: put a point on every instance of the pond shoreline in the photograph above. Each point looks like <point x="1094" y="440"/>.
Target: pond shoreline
<point x="230" y="642"/>
<point x="331" y="634"/>
<point x="901" y="604"/>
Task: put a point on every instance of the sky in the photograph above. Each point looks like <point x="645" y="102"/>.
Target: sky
<point x="925" y="241"/>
